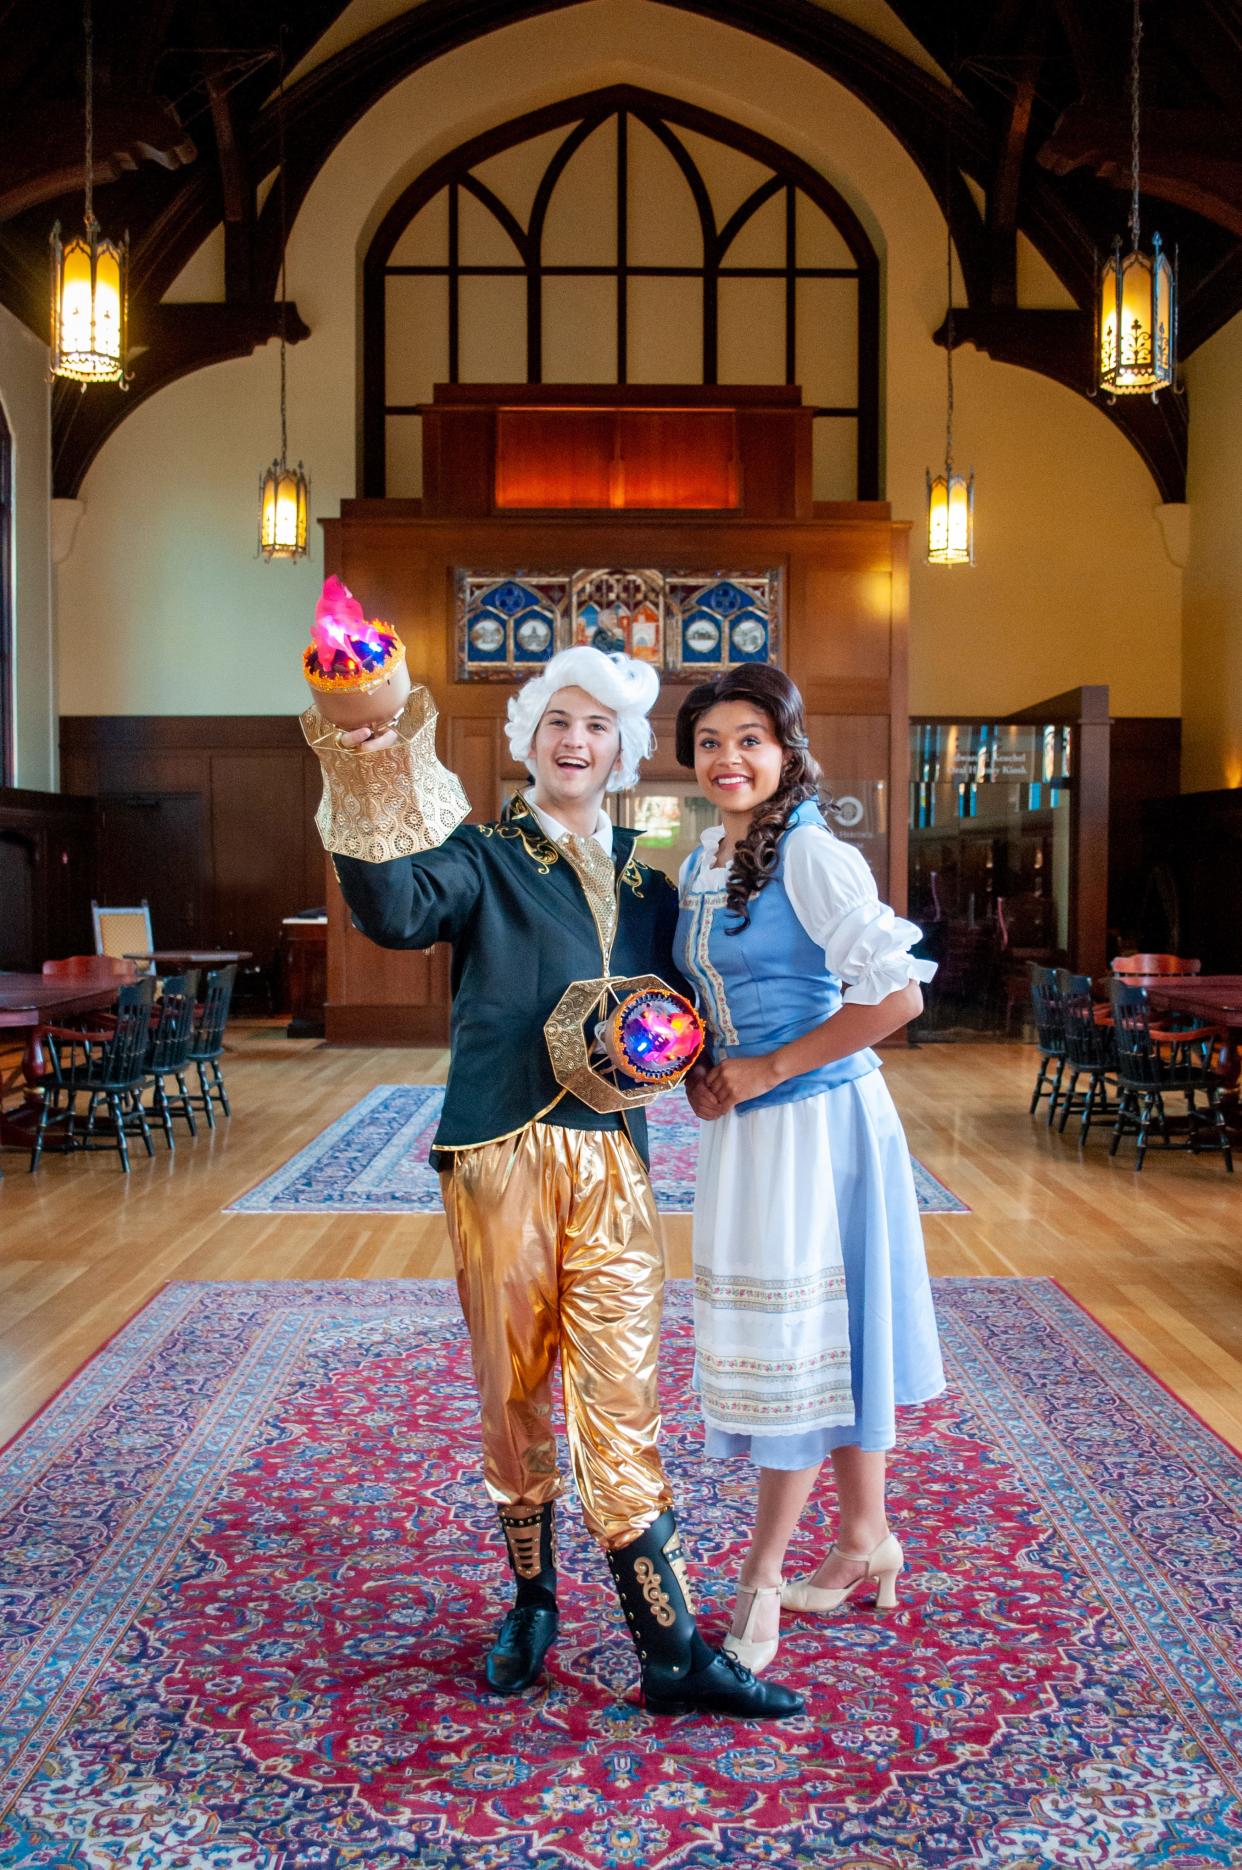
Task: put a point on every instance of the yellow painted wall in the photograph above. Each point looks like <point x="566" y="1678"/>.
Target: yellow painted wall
<point x="165" y="609"/>
<point x="1212" y="602"/>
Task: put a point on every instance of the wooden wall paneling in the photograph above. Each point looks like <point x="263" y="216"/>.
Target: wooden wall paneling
<point x="1144" y="764"/>
<point x="47" y="876"/>
<point x="473" y="749"/>
<point x="257" y="854"/>
<point x="312" y="848"/>
<point x="258" y="832"/>
<point x="381" y="996"/>
<point x="153" y="844"/>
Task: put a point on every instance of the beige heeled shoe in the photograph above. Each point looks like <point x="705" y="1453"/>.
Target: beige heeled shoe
<point x="884" y="1564"/>
<point x="754" y="1656"/>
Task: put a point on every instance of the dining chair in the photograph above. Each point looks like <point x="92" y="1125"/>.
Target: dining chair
<point x="1089" y="1052"/>
<point x="1049" y="1037"/>
<point x="168" y="1056"/>
<point x="1137" y="969"/>
<point x="105" y="1066"/>
<point x="207" y="1042"/>
<point x="121" y="931"/>
<point x="1152" y="1066"/>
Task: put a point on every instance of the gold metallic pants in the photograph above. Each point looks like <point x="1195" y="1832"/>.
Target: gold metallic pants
<point x="557" y="1250"/>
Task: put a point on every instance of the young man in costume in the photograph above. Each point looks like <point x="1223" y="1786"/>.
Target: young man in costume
<point x="550" y="1212"/>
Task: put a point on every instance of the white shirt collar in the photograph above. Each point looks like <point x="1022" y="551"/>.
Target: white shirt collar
<point x="711" y="838"/>
<point x="554" y="829"/>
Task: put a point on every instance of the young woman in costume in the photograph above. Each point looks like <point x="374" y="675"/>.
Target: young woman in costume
<point x="813" y="1314"/>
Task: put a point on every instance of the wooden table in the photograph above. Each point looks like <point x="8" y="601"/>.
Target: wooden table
<point x="28" y="1001"/>
<point x="177" y="960"/>
<point x="1214" y="1000"/>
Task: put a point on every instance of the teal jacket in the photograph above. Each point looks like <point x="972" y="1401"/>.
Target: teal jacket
<point x="521" y="931"/>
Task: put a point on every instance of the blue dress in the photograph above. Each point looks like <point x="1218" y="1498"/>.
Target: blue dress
<point x="813" y="1311"/>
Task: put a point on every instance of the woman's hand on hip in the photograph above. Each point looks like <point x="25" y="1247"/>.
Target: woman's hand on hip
<point x="737" y="1080"/>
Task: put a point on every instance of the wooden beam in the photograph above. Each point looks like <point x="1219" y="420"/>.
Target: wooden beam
<point x="42" y="157"/>
<point x="169" y="341"/>
<point x="1060" y="345"/>
<point x="1190" y="157"/>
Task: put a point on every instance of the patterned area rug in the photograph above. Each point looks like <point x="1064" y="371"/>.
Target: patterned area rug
<point x="373" y="1160"/>
<point x="249" y="1573"/>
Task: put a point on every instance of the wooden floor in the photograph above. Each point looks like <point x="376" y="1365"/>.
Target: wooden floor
<point x="1157" y="1257"/>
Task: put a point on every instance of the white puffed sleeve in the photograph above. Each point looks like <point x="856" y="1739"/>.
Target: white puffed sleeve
<point x="834" y="897"/>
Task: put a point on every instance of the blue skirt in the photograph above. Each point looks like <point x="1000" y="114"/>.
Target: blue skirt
<point x="894" y="1347"/>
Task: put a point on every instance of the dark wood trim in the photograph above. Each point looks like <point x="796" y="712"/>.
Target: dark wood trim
<point x="454" y="260"/>
<point x="623" y="246"/>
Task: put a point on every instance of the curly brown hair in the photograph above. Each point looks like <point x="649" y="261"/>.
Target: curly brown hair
<point x="755" y="858"/>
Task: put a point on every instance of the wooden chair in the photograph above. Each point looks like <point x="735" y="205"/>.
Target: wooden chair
<point x="122" y="931"/>
<point x="1150" y="1066"/>
<point x="1049" y="1037"/>
<point x="1089" y="1052"/>
<point x="1137" y="969"/>
<point x="168" y="1056"/>
<point x="207" y="1042"/>
<point x="100" y="1066"/>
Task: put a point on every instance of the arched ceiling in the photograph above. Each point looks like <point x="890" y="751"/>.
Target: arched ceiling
<point x="1037" y="118"/>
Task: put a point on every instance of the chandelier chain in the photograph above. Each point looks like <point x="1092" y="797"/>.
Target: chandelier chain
<point x="1134" y="128"/>
<point x="280" y="135"/>
<point x="948" y="332"/>
<point x="89" y="78"/>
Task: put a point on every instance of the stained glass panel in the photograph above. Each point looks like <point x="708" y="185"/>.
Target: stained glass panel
<point x="680" y="622"/>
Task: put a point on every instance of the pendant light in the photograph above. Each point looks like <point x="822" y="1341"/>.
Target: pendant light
<point x="284" y="492"/>
<point x="950" y="496"/>
<point x="90" y="278"/>
<point x="1136" y="324"/>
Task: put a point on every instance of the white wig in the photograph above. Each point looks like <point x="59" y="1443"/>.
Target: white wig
<point x="625" y="687"/>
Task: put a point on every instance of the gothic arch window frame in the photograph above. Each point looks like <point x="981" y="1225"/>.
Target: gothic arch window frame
<point x="662" y="116"/>
<point x="7" y="524"/>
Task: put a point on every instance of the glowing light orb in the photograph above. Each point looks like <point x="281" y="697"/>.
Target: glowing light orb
<point x="654" y="1037"/>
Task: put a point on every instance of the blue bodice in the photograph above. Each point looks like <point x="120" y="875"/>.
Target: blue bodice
<point x="766" y="985"/>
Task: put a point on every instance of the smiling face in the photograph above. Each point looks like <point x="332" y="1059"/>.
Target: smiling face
<point x="575" y="751"/>
<point x="737" y="757"/>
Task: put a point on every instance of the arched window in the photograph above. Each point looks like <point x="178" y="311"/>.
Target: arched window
<point x="6" y="602"/>
<point x="622" y="237"/>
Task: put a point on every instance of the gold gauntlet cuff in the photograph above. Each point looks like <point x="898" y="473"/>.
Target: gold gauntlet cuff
<point x="391" y="804"/>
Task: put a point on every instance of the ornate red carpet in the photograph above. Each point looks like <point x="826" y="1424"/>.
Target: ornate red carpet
<point x="248" y="1573"/>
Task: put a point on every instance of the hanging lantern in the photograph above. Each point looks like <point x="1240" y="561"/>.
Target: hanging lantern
<point x="950" y="518"/>
<point x="90" y="280"/>
<point x="1137" y="321"/>
<point x="1136" y="312"/>
<point x="950" y="496"/>
<point x="284" y="492"/>
<point x="284" y="500"/>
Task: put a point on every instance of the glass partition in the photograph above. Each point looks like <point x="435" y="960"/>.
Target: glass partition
<point x="990" y="863"/>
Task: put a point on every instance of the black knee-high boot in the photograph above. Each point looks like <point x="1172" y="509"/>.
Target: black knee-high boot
<point x="680" y="1673"/>
<point x="528" y="1632"/>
